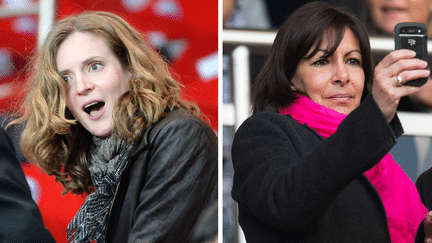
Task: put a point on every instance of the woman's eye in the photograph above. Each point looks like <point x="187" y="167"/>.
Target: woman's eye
<point x="95" y="66"/>
<point x="354" y="61"/>
<point x="66" y="79"/>
<point x="320" y="62"/>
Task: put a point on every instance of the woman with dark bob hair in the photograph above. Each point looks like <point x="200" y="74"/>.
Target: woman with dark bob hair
<point x="105" y="117"/>
<point x="312" y="164"/>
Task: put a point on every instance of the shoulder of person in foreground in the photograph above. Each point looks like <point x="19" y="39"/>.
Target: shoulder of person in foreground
<point x="20" y="218"/>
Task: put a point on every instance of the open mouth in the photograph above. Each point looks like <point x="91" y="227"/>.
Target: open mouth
<point x="94" y="108"/>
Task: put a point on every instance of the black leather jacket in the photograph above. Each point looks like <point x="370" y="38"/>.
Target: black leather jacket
<point x="170" y="178"/>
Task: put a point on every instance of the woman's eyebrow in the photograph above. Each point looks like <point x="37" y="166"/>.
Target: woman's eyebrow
<point x="83" y="63"/>
<point x="89" y="60"/>
<point x="326" y="51"/>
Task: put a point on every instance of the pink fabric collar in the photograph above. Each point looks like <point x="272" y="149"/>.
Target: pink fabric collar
<point x="400" y="197"/>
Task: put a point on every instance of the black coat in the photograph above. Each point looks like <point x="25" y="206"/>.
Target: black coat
<point x="424" y="186"/>
<point x="170" y="178"/>
<point x="291" y="185"/>
<point x="20" y="218"/>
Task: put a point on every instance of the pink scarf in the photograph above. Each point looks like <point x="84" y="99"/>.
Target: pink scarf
<point x="398" y="193"/>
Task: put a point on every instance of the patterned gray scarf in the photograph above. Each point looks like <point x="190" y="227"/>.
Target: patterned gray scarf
<point x="106" y="160"/>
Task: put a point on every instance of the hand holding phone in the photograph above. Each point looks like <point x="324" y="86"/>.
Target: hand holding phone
<point x="412" y="36"/>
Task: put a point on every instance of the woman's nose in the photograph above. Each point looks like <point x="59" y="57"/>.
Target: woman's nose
<point x="341" y="74"/>
<point x="84" y="85"/>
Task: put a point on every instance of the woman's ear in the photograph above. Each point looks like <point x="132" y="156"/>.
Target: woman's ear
<point x="131" y="74"/>
<point x="297" y="84"/>
<point x="132" y="78"/>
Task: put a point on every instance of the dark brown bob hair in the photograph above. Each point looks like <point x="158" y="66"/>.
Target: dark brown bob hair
<point x="303" y="30"/>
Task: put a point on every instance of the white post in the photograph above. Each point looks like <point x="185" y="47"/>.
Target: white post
<point x="241" y="81"/>
<point x="46" y="19"/>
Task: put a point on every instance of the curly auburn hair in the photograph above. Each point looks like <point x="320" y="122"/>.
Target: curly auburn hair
<point x="53" y="138"/>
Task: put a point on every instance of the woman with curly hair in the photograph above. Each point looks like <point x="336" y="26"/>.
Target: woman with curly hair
<point x="104" y="116"/>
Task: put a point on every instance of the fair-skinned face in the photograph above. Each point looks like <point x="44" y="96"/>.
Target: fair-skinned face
<point x="95" y="80"/>
<point x="386" y="14"/>
<point x="335" y="82"/>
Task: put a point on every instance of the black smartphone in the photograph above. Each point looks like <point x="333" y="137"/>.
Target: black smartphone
<point x="412" y="36"/>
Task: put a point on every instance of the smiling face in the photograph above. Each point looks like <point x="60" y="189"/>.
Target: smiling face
<point x="336" y="81"/>
<point x="95" y="80"/>
<point x="387" y="13"/>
